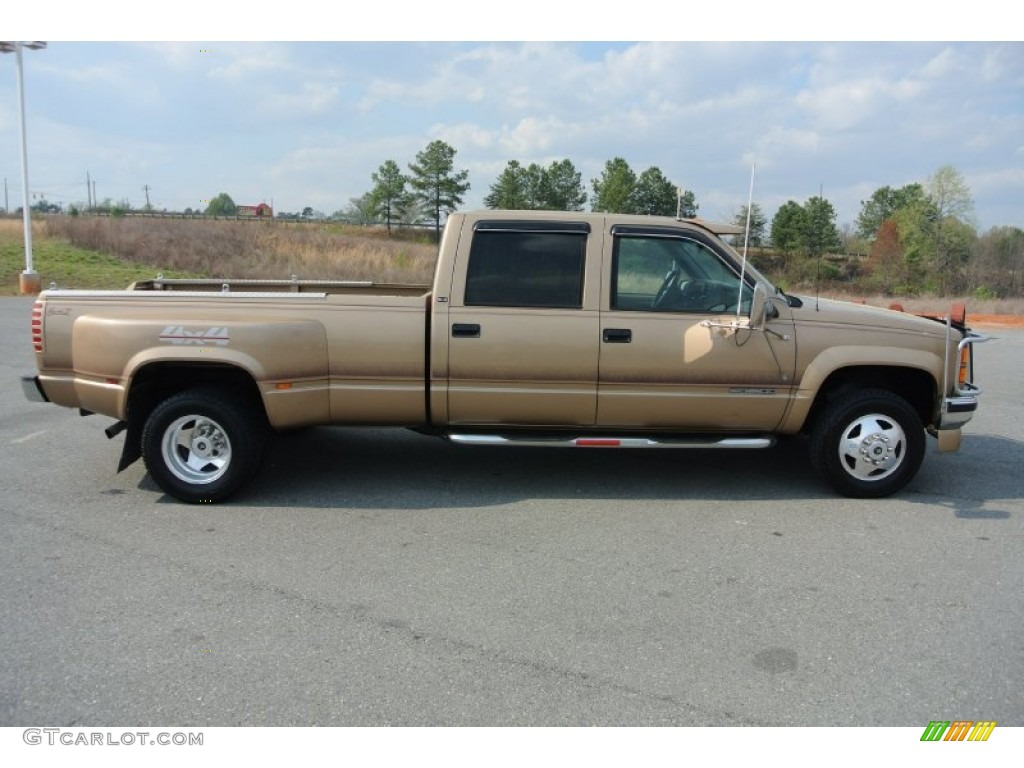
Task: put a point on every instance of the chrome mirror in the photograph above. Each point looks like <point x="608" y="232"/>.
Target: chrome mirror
<point x="758" y="304"/>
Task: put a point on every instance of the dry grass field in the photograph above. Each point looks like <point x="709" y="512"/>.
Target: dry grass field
<point x="258" y="249"/>
<point x="64" y="264"/>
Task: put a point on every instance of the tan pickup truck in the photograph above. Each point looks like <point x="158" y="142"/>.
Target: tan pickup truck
<point x="543" y="329"/>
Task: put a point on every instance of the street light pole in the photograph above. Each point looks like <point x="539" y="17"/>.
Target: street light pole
<point x="29" y="279"/>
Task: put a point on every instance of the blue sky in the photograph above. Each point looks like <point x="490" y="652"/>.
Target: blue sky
<point x="306" y="123"/>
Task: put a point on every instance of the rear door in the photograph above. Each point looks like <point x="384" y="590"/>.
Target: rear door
<point x="522" y="325"/>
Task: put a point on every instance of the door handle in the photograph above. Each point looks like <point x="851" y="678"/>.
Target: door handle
<point x="617" y="335"/>
<point x="466" y="330"/>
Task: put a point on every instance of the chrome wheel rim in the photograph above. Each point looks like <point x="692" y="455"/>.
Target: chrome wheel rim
<point x="873" y="447"/>
<point x="196" y="449"/>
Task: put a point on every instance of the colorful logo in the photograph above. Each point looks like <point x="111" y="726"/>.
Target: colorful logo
<point x="958" y="730"/>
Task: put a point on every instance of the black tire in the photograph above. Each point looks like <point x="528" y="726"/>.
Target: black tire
<point x="202" y="445"/>
<point x="868" y="443"/>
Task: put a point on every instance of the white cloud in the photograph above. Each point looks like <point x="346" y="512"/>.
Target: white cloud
<point x="941" y="65"/>
<point x="309" y="99"/>
<point x="235" y="62"/>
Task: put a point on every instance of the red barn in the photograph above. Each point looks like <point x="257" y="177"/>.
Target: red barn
<point x="261" y="211"/>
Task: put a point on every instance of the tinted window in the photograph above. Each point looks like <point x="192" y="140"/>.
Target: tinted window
<point x="661" y="274"/>
<point x="526" y="269"/>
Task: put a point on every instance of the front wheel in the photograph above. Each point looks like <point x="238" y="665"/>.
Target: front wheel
<point x="202" y="446"/>
<point x="868" y="444"/>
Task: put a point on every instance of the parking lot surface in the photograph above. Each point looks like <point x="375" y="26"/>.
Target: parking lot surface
<point x="376" y="577"/>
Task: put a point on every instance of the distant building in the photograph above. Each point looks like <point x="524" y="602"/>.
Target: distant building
<point x="261" y="211"/>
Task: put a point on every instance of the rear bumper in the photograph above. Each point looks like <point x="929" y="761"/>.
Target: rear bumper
<point x="32" y="389"/>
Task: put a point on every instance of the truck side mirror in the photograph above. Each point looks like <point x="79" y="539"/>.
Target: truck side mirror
<point x="758" y="305"/>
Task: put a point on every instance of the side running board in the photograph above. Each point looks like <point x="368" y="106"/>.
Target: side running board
<point x="765" y="441"/>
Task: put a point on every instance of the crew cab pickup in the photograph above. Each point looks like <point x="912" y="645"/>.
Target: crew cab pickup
<point x="545" y="329"/>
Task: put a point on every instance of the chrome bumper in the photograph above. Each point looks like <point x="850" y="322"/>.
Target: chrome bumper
<point x="957" y="411"/>
<point x="33" y="392"/>
<point x="959" y="406"/>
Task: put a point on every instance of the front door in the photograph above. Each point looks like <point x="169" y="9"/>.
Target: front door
<point x="662" y="364"/>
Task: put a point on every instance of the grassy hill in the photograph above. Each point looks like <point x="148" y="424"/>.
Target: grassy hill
<point x="67" y="265"/>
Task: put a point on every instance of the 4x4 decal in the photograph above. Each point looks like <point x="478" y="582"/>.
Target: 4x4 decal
<point x="179" y="334"/>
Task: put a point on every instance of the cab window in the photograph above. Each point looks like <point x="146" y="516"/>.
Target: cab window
<point x="673" y="274"/>
<point x="526" y="269"/>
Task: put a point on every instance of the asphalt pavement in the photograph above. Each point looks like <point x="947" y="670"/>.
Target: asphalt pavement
<point x="374" y="577"/>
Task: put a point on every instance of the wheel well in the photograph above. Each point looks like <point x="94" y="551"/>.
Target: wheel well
<point x="154" y="383"/>
<point x="915" y="386"/>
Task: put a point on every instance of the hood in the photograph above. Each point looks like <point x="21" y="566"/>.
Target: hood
<point x="848" y="313"/>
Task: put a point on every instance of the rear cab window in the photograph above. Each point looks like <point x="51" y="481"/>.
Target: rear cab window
<point x="527" y="264"/>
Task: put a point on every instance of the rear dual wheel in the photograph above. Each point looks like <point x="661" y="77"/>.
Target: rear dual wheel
<point x="203" y="444"/>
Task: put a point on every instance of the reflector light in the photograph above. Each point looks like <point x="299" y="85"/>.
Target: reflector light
<point x="585" y="442"/>
<point x="37" y="326"/>
<point x="965" y="364"/>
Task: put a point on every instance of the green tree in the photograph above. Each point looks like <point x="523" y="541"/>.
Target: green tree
<point x="563" y="187"/>
<point x="44" y="206"/>
<point x="389" y="193"/>
<point x="535" y="180"/>
<point x="788" y="227"/>
<point x="914" y="223"/>
<point x="820" y="233"/>
<point x="654" y="194"/>
<point x="613" y="192"/>
<point x="884" y="202"/>
<point x="411" y="212"/>
<point x="688" y="206"/>
<point x="360" y="210"/>
<point x="510" y="190"/>
<point x="758" y="224"/>
<point x="999" y="262"/>
<point x="435" y="182"/>
<point x="221" y="205"/>
<point x="952" y="205"/>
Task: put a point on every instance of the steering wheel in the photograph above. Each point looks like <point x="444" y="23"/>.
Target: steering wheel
<point x="667" y="285"/>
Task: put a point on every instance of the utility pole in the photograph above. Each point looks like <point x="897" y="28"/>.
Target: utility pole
<point x="95" y="202"/>
<point x="88" y="190"/>
<point x="146" y="190"/>
<point x="28" y="281"/>
<point x="7" y="208"/>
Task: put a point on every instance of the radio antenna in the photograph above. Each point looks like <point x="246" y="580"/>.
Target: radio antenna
<point x="746" y="240"/>
<point x="817" y="267"/>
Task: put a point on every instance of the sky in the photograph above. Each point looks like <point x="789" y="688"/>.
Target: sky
<point x="302" y="124"/>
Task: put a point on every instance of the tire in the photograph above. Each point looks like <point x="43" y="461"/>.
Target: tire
<point x="868" y="444"/>
<point x="202" y="445"/>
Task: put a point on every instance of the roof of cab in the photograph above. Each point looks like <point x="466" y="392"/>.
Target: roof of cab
<point x="715" y="227"/>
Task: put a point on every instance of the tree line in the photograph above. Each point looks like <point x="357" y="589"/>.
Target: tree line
<point x="913" y="239"/>
<point x="918" y="238"/>
<point x="433" y="188"/>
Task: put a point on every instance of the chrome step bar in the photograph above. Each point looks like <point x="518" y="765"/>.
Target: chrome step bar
<point x="765" y="441"/>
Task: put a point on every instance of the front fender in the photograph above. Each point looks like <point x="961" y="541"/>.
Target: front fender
<point x="834" y="359"/>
